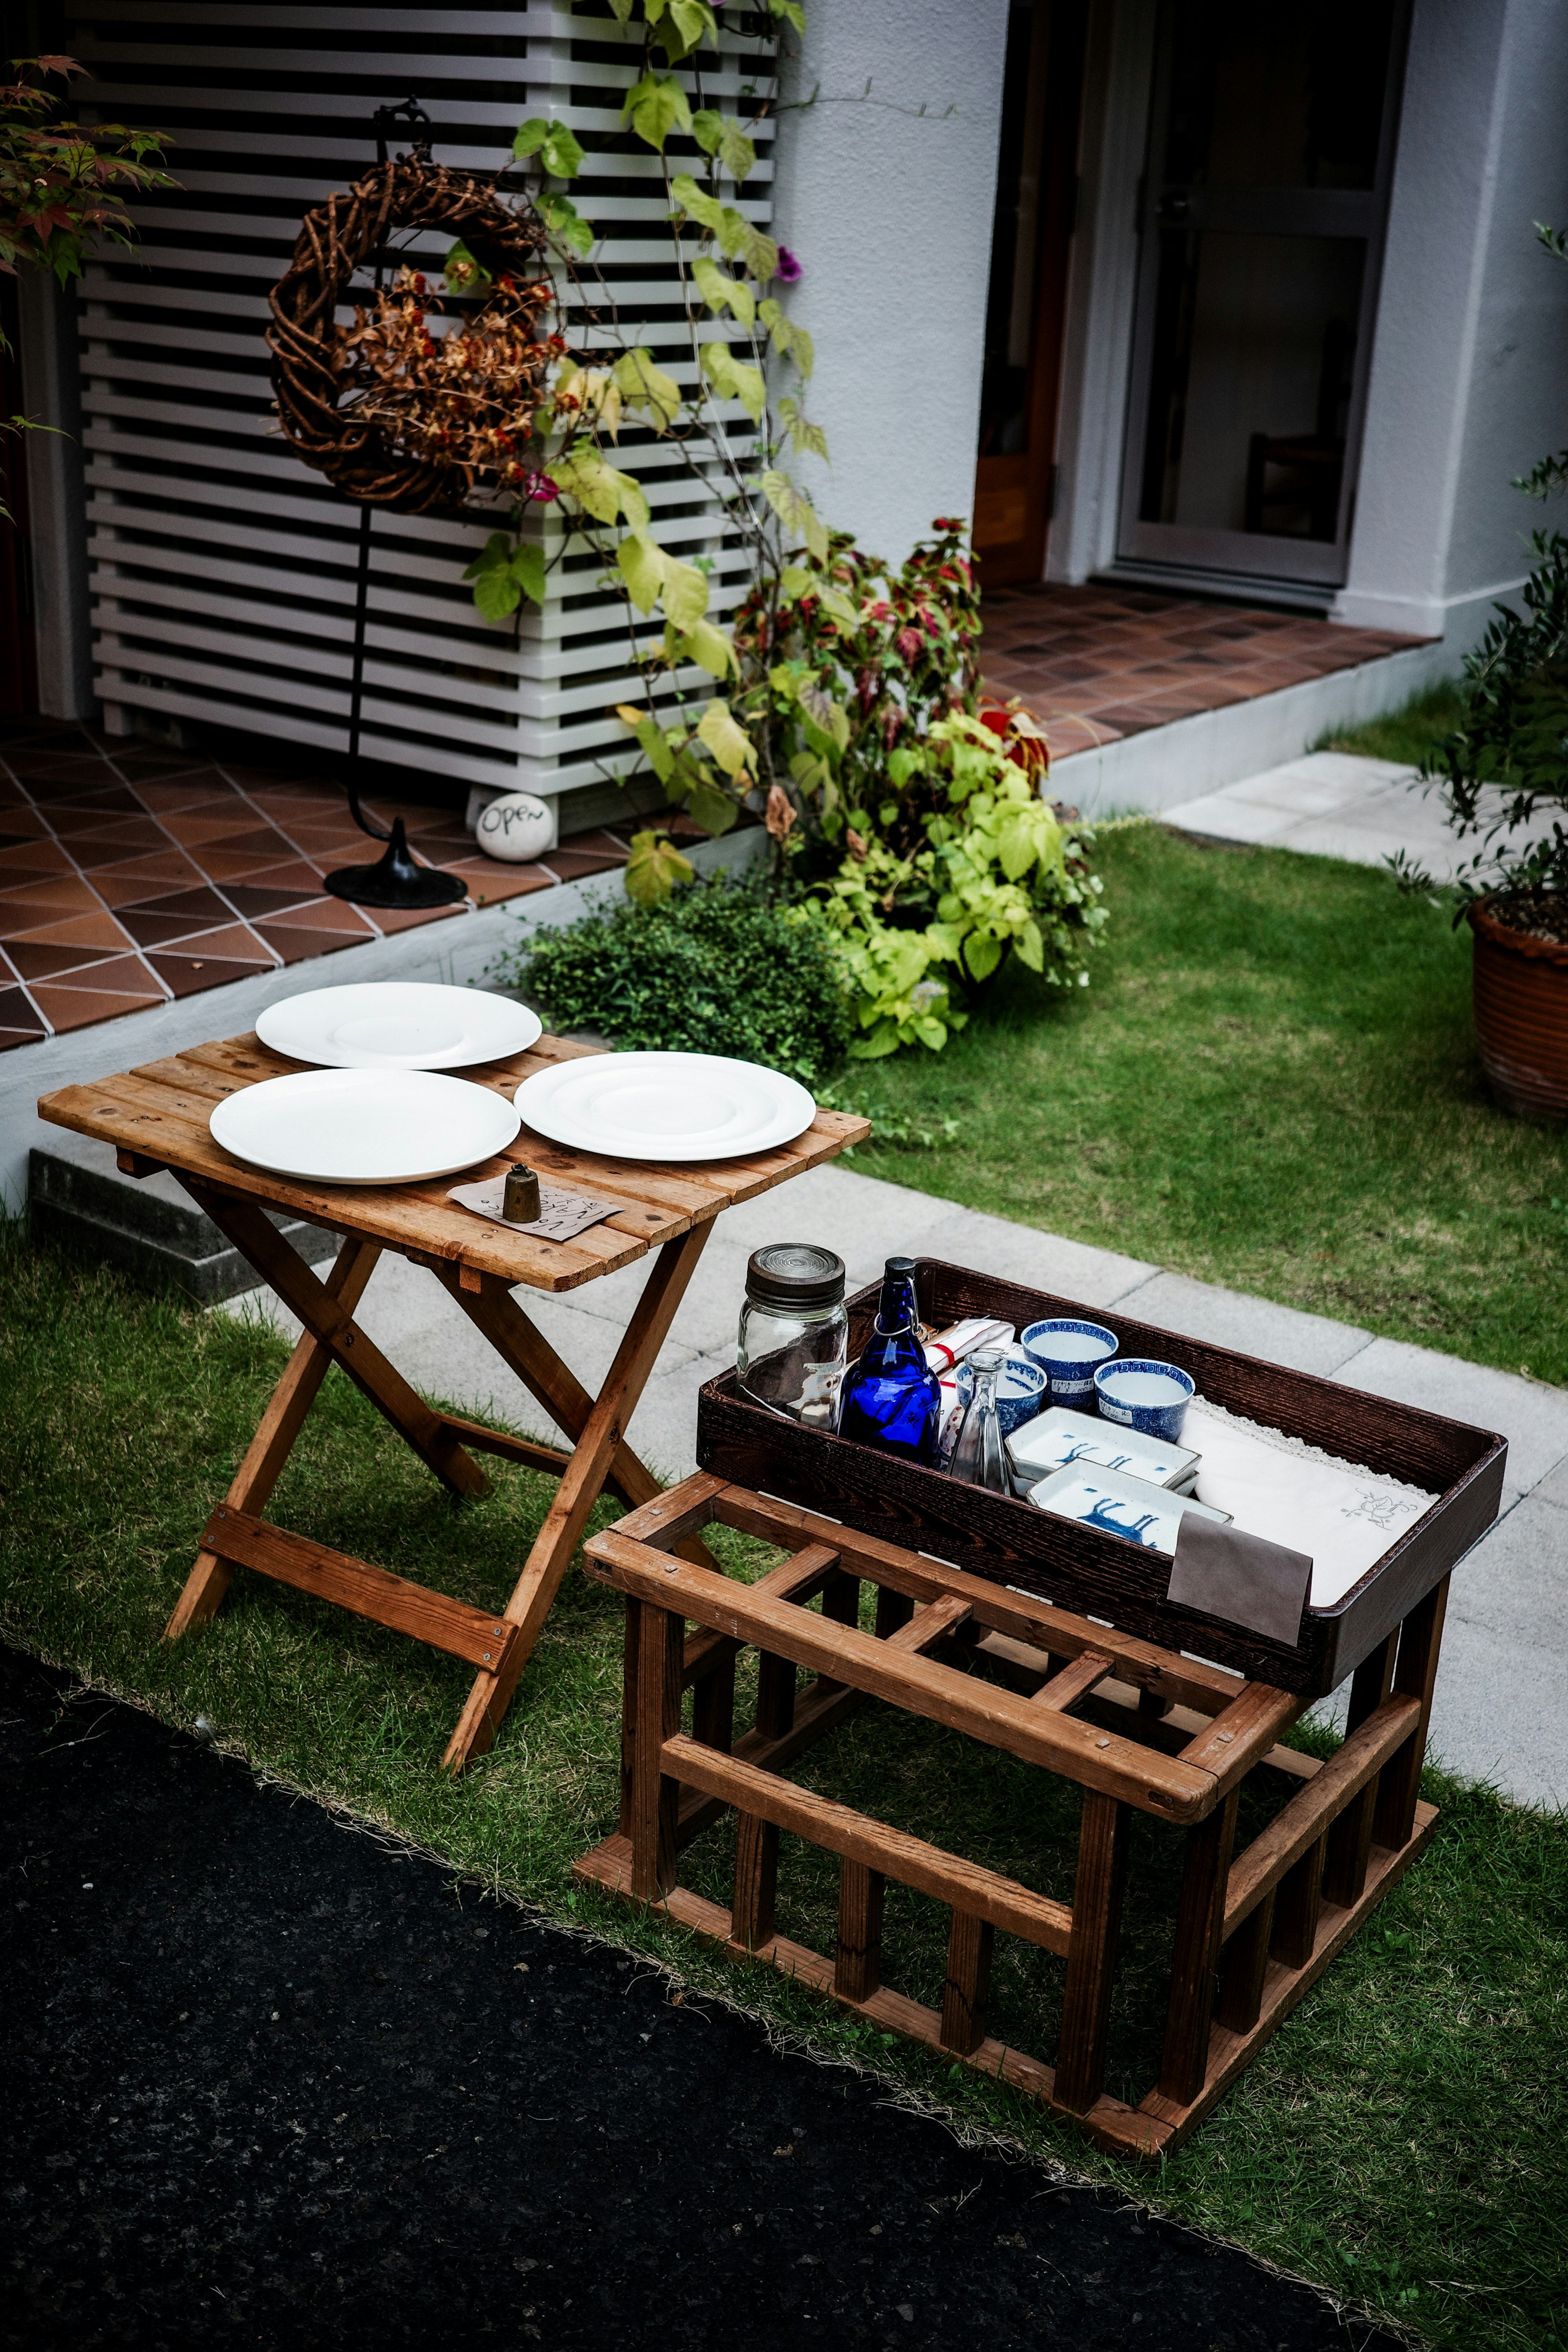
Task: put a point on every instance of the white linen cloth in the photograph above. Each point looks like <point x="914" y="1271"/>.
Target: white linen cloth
<point x="1344" y="1516"/>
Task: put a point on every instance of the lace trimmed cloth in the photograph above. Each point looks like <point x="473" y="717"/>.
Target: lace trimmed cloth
<point x="1345" y="1515"/>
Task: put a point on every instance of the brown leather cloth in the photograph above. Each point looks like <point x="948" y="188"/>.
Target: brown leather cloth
<point x="1244" y="1579"/>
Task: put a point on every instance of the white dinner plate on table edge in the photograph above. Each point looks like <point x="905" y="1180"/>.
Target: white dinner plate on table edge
<point x="664" y="1106"/>
<point x="398" y="1024"/>
<point x="363" y="1126"/>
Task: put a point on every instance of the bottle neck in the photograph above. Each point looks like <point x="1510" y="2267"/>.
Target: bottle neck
<point x="896" y="1307"/>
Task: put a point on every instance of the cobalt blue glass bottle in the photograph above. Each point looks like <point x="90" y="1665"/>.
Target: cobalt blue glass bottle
<point x="891" y="1398"/>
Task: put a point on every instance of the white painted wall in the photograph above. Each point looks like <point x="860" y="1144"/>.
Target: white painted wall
<point x="1470" y="375"/>
<point x="889" y="213"/>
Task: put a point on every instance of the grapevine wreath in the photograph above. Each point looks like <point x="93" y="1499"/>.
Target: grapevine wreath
<point x="393" y="415"/>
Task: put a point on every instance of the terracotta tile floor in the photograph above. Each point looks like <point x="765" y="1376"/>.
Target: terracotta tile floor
<point x="1095" y="663"/>
<point x="130" y="875"/>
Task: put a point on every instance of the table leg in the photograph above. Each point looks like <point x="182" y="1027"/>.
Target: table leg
<point x="525" y="1350"/>
<point x="1350" y="1839"/>
<point x="1096" y="1892"/>
<point x="1200" y="1920"/>
<point x="578" y="1492"/>
<point x="1415" y="1676"/>
<point x="327" y="1321"/>
<point x="655" y="1795"/>
<point x="968" y="1984"/>
<point x="269" y="1449"/>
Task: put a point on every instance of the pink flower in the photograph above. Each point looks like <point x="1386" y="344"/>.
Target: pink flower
<point x="789" y="271"/>
<point x="540" y="489"/>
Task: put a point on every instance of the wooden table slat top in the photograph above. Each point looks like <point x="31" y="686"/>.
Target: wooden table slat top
<point x="159" y="1112"/>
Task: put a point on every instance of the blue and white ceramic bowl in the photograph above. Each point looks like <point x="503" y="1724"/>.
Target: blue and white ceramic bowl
<point x="1020" y="1389"/>
<point x="1145" y="1395"/>
<point x="1067" y="1353"/>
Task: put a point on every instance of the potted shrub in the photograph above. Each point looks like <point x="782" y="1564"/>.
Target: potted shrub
<point x="1504" y="778"/>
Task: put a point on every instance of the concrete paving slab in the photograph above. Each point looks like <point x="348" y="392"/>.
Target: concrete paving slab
<point x="1040" y="1261"/>
<point x="1289" y="790"/>
<point x="1532" y="1416"/>
<point x="1221" y="817"/>
<point x="1498" y="1714"/>
<point x="1229" y="1318"/>
<point x="1515" y="1582"/>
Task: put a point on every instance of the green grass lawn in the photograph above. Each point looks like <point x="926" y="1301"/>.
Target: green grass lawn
<point x="1407" y="734"/>
<point x="1400" y="2140"/>
<point x="1272" y="1083"/>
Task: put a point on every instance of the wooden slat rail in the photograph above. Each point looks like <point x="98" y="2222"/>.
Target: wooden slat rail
<point x="1300" y="1826"/>
<point x="1252" y="1933"/>
<point x="858" y="1838"/>
<point x="994" y="1606"/>
<point x="158" y="1116"/>
<point x="1167" y="1786"/>
<point x="479" y="1635"/>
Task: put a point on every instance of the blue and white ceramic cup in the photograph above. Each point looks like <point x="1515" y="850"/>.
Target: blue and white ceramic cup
<point x="1143" y="1394"/>
<point x="1067" y="1353"/>
<point x="1020" y="1389"/>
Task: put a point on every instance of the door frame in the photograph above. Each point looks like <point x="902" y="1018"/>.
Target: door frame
<point x="1033" y="472"/>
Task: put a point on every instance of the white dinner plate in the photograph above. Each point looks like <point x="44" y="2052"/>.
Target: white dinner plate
<point x="664" y="1106"/>
<point x="398" y="1024"/>
<point x="363" y="1126"/>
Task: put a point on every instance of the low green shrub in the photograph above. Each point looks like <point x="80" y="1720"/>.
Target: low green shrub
<point x="713" y="968"/>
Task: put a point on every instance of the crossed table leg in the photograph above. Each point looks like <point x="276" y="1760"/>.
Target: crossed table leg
<point x="498" y="1644"/>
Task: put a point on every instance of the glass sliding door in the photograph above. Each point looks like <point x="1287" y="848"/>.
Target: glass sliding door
<point x="1260" y="231"/>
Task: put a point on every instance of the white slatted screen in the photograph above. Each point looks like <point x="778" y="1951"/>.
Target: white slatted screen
<point x="223" y="568"/>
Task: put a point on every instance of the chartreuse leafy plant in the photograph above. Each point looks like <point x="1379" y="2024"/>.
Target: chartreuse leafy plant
<point x="735" y="416"/>
<point x="964" y="866"/>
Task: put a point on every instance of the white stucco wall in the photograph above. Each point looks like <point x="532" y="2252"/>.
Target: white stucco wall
<point x="1469" y="373"/>
<point x="889" y="212"/>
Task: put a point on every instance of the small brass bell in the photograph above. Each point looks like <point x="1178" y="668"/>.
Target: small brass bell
<point x="521" y="1204"/>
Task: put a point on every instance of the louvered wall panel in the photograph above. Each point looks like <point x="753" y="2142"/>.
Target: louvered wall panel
<point x="223" y="569"/>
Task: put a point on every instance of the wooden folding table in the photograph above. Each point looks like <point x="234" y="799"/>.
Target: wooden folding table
<point x="156" y="1117"/>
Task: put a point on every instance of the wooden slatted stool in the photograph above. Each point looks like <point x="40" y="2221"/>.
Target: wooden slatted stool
<point x="156" y="1117"/>
<point x="1254" y="1931"/>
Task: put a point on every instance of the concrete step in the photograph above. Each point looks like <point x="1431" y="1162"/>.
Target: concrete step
<point x="150" y="1228"/>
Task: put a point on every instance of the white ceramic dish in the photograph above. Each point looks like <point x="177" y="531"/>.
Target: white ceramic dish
<point x="1119" y="1506"/>
<point x="363" y="1126"/>
<point x="664" y="1107"/>
<point x="398" y="1024"/>
<point x="1058" y="1437"/>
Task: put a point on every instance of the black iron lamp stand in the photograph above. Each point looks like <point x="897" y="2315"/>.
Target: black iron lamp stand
<point x="394" y="881"/>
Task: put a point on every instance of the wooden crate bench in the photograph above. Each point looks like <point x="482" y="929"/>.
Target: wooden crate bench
<point x="1253" y="1929"/>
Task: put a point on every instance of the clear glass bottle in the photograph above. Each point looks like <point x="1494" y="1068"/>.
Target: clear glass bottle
<point x="795" y="1334"/>
<point x="980" y="1452"/>
<point x="891" y="1399"/>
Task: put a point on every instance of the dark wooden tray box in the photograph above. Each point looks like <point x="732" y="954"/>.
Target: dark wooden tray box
<point x="1107" y="1576"/>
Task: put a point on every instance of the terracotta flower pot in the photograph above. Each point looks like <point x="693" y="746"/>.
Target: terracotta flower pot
<point x="1521" y="1016"/>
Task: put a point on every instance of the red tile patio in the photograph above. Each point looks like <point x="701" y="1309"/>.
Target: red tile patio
<point x="1098" y="663"/>
<point x="131" y="875"/>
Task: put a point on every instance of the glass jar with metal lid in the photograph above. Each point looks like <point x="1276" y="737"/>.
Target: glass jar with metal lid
<point x="794" y="1333"/>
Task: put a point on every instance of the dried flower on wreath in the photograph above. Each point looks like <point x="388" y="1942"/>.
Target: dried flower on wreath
<point x="466" y="398"/>
<point x="392" y="413"/>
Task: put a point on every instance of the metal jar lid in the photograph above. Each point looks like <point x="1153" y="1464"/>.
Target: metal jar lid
<point x="795" y="1275"/>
